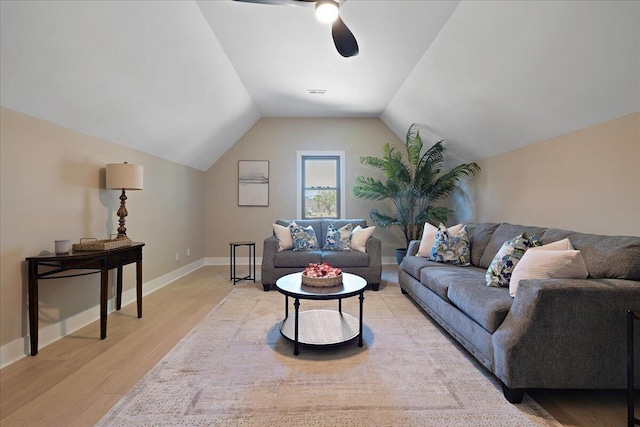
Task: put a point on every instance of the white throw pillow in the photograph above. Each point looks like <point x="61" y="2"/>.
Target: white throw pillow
<point x="359" y="237"/>
<point x="429" y="237"/>
<point x="285" y="242"/>
<point x="560" y="245"/>
<point x="537" y="263"/>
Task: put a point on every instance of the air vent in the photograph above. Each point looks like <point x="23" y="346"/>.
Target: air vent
<point x="316" y="91"/>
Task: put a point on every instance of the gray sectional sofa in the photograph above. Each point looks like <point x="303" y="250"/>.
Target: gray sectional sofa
<point x="365" y="264"/>
<point x="555" y="333"/>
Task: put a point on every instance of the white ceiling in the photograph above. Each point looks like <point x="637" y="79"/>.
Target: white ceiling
<point x="184" y="80"/>
<point x="281" y="52"/>
<point x="502" y="75"/>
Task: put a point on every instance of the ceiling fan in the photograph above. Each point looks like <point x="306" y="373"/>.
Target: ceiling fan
<point x="326" y="11"/>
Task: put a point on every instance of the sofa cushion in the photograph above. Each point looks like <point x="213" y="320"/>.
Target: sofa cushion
<point x="439" y="280"/>
<point x="488" y="306"/>
<point x="413" y="264"/>
<point x="451" y="249"/>
<point x="296" y="259"/>
<point x="479" y="236"/>
<point x="504" y="232"/>
<point x="346" y="258"/>
<point x="606" y="257"/>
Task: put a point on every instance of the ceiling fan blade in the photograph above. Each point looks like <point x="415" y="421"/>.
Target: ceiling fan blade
<point x="275" y="2"/>
<point x="343" y="39"/>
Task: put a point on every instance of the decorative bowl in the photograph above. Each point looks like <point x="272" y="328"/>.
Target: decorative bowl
<point x="322" y="282"/>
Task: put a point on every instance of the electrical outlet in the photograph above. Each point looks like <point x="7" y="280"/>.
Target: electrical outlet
<point x="188" y="252"/>
<point x="177" y="256"/>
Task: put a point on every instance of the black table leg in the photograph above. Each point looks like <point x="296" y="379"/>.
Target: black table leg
<point x="104" y="293"/>
<point x="361" y="305"/>
<point x="235" y="259"/>
<point x="33" y="307"/>
<point x="286" y="307"/>
<point x="119" y="288"/>
<point x="139" y="287"/>
<point x="296" y="304"/>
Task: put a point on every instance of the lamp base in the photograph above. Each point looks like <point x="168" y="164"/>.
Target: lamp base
<point x="122" y="213"/>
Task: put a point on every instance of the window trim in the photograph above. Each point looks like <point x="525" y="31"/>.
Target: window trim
<point x="342" y="183"/>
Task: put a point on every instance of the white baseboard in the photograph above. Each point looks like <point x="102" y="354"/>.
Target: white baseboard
<point x="225" y="261"/>
<point x="17" y="349"/>
<point x="389" y="260"/>
<point x="245" y="261"/>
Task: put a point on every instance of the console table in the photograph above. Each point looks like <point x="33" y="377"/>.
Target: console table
<point x="93" y="262"/>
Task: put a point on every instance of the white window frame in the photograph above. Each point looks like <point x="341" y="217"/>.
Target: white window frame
<point x="299" y="155"/>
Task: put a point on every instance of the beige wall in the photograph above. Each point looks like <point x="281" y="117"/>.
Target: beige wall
<point x="277" y="140"/>
<point x="588" y="181"/>
<point x="51" y="180"/>
<point x="51" y="188"/>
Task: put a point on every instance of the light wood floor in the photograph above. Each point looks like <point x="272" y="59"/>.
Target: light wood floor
<point x="76" y="380"/>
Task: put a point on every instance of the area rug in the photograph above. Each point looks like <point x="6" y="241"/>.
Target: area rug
<point x="235" y="369"/>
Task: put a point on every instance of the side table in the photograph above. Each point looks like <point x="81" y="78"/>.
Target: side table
<point x="252" y="261"/>
<point x="320" y="327"/>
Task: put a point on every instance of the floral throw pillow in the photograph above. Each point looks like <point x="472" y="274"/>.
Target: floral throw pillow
<point x="338" y="239"/>
<point x="429" y="236"/>
<point x="499" y="272"/>
<point x="304" y="238"/>
<point x="451" y="249"/>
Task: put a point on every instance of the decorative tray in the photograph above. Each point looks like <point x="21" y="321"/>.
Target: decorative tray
<point x="93" y="244"/>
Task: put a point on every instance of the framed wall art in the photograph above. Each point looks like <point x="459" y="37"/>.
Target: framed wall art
<point x="253" y="183"/>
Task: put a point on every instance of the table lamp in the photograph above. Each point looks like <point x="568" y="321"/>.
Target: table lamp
<point x="123" y="176"/>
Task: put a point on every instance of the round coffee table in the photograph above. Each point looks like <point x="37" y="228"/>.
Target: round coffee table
<point x="320" y="327"/>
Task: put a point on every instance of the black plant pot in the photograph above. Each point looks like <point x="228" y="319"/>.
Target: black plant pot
<point x="400" y="254"/>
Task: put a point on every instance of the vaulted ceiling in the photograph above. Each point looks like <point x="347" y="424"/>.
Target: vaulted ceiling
<point x="184" y="80"/>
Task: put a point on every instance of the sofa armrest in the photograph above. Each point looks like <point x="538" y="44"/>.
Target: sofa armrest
<point x="374" y="250"/>
<point x="566" y="333"/>
<point x="414" y="245"/>
<point x="374" y="271"/>
<point x="269" y="249"/>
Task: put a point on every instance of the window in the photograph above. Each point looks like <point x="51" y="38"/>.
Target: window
<point x="320" y="184"/>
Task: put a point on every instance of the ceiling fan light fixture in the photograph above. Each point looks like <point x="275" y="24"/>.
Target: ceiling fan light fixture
<point x="326" y="10"/>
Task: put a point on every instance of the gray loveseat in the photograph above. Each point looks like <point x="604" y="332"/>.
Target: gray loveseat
<point x="555" y="333"/>
<point x="365" y="264"/>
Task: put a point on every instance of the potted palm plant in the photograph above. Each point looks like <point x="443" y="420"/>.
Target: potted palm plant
<point x="413" y="184"/>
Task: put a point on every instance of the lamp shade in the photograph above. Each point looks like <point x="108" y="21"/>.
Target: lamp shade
<point x="124" y="176"/>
